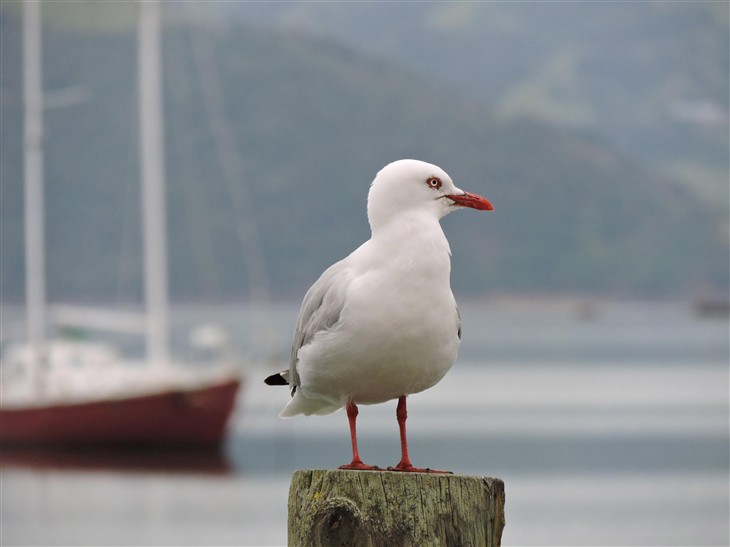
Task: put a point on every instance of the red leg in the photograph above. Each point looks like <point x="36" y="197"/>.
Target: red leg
<point x="405" y="461"/>
<point x="356" y="461"/>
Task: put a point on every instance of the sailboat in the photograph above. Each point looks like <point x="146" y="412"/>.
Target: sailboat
<point x="81" y="392"/>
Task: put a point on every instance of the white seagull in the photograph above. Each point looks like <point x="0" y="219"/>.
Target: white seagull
<point x="382" y="323"/>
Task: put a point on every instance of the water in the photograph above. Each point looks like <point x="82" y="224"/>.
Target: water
<point x="607" y="431"/>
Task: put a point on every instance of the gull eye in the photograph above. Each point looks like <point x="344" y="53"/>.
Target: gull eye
<point x="434" y="182"/>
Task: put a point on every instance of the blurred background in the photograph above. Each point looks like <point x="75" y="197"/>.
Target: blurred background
<point x="593" y="375"/>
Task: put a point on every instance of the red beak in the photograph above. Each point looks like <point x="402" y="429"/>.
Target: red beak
<point x="471" y="200"/>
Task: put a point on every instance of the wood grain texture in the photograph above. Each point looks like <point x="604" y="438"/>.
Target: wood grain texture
<point x="375" y="508"/>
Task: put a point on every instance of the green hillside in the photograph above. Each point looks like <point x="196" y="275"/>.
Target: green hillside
<point x="313" y="121"/>
<point x="649" y="77"/>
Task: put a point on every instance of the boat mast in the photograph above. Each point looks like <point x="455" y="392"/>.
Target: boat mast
<point x="35" y="279"/>
<point x="153" y="184"/>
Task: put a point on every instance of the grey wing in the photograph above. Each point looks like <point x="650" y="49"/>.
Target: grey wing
<point x="320" y="310"/>
<point x="458" y="323"/>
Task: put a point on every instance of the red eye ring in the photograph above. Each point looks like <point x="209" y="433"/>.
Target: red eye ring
<point x="434" y="182"/>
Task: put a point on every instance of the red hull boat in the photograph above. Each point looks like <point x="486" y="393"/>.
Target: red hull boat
<point x="185" y="416"/>
<point x="81" y="393"/>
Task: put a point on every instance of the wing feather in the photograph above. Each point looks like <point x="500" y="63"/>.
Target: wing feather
<point x="321" y="310"/>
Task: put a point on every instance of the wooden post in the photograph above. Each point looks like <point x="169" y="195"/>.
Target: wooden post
<point x="374" y="508"/>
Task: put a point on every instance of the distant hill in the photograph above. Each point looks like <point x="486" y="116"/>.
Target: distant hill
<point x="313" y="122"/>
<point x="649" y="77"/>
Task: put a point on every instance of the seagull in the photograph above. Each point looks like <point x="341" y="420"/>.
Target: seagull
<point x="382" y="323"/>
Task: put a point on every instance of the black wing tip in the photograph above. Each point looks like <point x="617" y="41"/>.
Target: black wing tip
<point x="276" y="380"/>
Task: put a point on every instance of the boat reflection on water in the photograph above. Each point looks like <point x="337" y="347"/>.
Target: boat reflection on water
<point x="141" y="458"/>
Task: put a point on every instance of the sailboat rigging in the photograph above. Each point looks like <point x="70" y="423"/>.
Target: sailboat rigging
<point x="60" y="391"/>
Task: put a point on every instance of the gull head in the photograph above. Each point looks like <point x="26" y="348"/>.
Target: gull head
<point x="413" y="185"/>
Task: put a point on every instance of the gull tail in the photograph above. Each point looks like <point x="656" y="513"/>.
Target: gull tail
<point x="299" y="404"/>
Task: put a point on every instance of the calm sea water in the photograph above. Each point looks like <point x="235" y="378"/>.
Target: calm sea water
<point x="609" y="426"/>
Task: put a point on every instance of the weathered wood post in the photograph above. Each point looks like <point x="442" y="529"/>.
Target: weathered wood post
<point x="376" y="509"/>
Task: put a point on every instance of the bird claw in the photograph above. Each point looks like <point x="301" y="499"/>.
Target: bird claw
<point x="359" y="466"/>
<point x="411" y="469"/>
